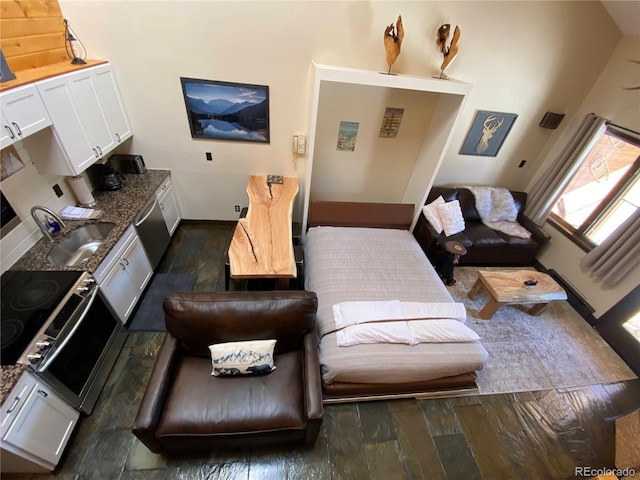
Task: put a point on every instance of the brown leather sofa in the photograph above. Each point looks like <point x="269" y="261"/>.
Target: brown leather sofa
<point x="484" y="245"/>
<point x="186" y="409"/>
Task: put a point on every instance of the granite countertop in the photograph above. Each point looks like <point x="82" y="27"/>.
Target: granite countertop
<point x="10" y="374"/>
<point x="119" y="207"/>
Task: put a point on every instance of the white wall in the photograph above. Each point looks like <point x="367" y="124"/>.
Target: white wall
<point x="379" y="168"/>
<point x="622" y="107"/>
<point x="25" y="189"/>
<point x="522" y="57"/>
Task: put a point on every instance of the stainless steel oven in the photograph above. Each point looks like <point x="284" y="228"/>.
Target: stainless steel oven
<point x="66" y="332"/>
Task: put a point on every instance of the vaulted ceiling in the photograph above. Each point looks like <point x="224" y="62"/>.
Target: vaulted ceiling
<point x="626" y="14"/>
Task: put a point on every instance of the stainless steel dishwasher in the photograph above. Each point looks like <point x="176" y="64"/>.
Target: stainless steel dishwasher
<point x="153" y="231"/>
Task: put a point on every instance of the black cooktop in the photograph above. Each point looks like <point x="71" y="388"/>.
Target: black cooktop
<point x="28" y="299"/>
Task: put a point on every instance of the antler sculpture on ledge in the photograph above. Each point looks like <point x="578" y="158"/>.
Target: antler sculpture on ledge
<point x="393" y="41"/>
<point x="449" y="48"/>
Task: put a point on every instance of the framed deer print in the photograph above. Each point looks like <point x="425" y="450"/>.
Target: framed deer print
<point x="487" y="134"/>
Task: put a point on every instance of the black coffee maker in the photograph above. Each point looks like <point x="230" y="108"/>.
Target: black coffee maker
<point x="106" y="177"/>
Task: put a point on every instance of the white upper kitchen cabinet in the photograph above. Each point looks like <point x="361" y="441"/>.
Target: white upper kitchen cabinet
<point x="7" y="135"/>
<point x="111" y="101"/>
<point x="23" y="114"/>
<point x="86" y="101"/>
<point x="78" y="123"/>
<point x="88" y="118"/>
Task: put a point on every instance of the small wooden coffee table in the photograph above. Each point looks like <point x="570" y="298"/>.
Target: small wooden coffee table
<point x="507" y="287"/>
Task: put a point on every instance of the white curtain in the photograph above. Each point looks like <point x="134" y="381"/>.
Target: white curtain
<point x="618" y="255"/>
<point x="549" y="187"/>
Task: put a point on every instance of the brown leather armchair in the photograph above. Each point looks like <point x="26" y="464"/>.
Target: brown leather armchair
<point x="185" y="408"/>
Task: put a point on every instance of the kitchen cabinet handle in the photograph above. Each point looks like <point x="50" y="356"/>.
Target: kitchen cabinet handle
<point x="8" y="129"/>
<point x="43" y="393"/>
<point x="15" y="125"/>
<point x="119" y="139"/>
<point x="14" y="405"/>
<point x="95" y="152"/>
<point x="126" y="261"/>
<point x="99" y="149"/>
<point x="123" y="266"/>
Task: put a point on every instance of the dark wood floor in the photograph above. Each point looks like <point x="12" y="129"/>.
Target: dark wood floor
<point x="529" y="435"/>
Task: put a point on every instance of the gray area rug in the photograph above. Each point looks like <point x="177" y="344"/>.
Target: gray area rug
<point x="556" y="349"/>
<point x="150" y="316"/>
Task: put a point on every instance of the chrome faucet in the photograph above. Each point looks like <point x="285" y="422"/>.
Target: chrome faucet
<point x="52" y="222"/>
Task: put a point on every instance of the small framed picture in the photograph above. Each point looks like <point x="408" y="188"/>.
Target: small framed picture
<point x="227" y="111"/>
<point x="347" y="136"/>
<point x="487" y="134"/>
<point x="391" y="122"/>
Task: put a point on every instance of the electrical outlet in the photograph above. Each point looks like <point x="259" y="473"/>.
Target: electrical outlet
<point x="275" y="179"/>
<point x="237" y="208"/>
<point x="208" y="155"/>
<point x="522" y="163"/>
<point x="57" y="190"/>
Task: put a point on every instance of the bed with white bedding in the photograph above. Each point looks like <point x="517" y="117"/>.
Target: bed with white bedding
<point x="354" y="264"/>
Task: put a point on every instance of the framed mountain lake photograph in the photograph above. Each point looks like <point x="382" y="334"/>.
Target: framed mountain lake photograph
<point x="227" y="111"/>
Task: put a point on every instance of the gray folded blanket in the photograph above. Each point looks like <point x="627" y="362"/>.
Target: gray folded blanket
<point x="498" y="211"/>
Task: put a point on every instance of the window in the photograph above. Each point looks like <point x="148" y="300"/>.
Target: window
<point x="604" y="192"/>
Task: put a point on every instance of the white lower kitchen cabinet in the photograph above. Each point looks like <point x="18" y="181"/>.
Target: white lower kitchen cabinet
<point x="124" y="274"/>
<point x="169" y="206"/>
<point x="36" y="426"/>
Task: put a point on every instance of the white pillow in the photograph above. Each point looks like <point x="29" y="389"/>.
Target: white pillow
<point x="430" y="212"/>
<point x="442" y="331"/>
<point x="410" y="333"/>
<point x="242" y="358"/>
<point x="352" y="313"/>
<point x="451" y="217"/>
<point x="377" y="332"/>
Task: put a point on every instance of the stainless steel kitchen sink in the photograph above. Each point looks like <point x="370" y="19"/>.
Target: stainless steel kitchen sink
<point x="78" y="245"/>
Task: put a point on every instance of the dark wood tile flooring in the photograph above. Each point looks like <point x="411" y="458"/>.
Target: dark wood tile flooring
<point x="526" y="435"/>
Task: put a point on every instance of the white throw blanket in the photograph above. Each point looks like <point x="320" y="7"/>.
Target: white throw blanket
<point x="498" y="211"/>
<point x="393" y="321"/>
